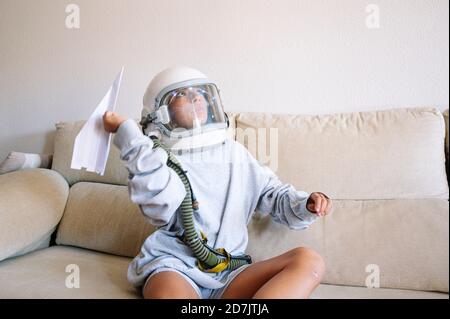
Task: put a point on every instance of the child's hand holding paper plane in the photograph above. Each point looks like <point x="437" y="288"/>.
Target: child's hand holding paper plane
<point x="92" y="144"/>
<point x="112" y="121"/>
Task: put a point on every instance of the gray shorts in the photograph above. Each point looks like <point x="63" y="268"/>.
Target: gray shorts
<point x="203" y="293"/>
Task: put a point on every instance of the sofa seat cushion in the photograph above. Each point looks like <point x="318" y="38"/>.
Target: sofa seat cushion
<point x="42" y="274"/>
<point x="348" y="292"/>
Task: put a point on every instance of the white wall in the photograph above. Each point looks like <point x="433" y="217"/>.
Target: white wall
<point x="288" y="56"/>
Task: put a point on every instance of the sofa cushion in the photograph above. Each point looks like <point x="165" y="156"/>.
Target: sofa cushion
<point x="103" y="218"/>
<point x="43" y="274"/>
<point x="408" y="240"/>
<point x="115" y="171"/>
<point x="366" y="155"/>
<point x="325" y="291"/>
<point x="31" y="205"/>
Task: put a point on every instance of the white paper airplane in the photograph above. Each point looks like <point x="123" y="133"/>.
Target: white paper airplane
<point x="92" y="144"/>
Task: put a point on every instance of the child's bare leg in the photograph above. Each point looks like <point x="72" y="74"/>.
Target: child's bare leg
<point x="169" y="285"/>
<point x="294" y="274"/>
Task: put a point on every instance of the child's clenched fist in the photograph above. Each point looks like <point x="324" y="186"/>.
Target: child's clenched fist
<point x="112" y="121"/>
<point x="319" y="204"/>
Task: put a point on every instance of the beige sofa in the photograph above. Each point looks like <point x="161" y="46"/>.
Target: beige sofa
<point x="385" y="171"/>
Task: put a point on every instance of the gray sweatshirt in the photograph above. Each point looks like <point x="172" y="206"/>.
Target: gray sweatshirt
<point x="230" y="186"/>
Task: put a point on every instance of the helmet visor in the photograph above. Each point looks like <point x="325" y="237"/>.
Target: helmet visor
<point x="195" y="107"/>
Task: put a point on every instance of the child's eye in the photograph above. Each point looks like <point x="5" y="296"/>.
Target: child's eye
<point x="179" y="94"/>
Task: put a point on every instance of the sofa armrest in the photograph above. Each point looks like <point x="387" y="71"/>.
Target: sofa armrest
<point x="32" y="203"/>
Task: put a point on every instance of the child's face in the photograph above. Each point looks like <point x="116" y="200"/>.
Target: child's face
<point x="187" y="106"/>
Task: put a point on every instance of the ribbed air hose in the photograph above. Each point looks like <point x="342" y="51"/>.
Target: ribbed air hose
<point x="208" y="259"/>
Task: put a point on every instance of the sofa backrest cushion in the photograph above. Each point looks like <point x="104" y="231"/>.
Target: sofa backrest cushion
<point x="115" y="172"/>
<point x="387" y="154"/>
<point x="102" y="217"/>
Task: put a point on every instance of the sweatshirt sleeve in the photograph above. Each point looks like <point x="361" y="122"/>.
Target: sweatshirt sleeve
<point x="154" y="186"/>
<point x="284" y="203"/>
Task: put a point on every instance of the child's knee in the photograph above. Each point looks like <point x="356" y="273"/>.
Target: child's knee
<point x="306" y="257"/>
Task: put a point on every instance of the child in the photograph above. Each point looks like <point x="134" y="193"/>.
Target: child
<point x="182" y="108"/>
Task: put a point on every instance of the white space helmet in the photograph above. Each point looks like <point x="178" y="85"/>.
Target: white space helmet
<point x="183" y="107"/>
